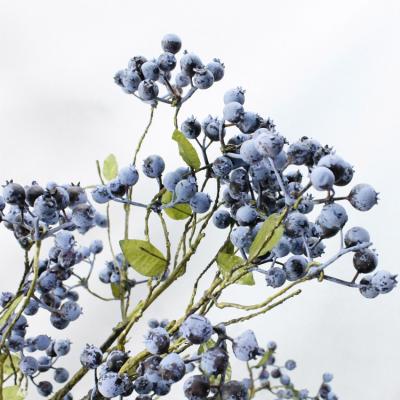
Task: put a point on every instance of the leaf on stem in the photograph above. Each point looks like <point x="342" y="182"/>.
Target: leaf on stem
<point x="110" y="167"/>
<point x="116" y="290"/>
<point x="13" y="393"/>
<point x="144" y="258"/>
<point x="186" y="150"/>
<point x="177" y="211"/>
<point x="10" y="310"/>
<point x="226" y="262"/>
<point x="267" y="237"/>
<point x="8" y="364"/>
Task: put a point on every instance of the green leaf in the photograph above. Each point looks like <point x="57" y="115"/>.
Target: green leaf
<point x="13" y="393"/>
<point x="186" y="150"/>
<point x="228" y="248"/>
<point x="216" y="380"/>
<point x="226" y="262"/>
<point x="178" y="211"/>
<point x="7" y="366"/>
<point x="116" y="290"/>
<point x="206" y="346"/>
<point x="143" y="257"/>
<point x="11" y="308"/>
<point x="267" y="237"/>
<point x="110" y="167"/>
<point x="264" y="359"/>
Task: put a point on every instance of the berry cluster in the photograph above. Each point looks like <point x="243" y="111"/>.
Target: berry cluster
<point x="277" y="201"/>
<point x="209" y="367"/>
<point x="143" y="77"/>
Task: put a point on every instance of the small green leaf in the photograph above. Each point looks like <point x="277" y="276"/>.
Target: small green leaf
<point x="7" y="366"/>
<point x="186" y="150"/>
<point x="267" y="237"/>
<point x="226" y="262"/>
<point x="264" y="359"/>
<point x="178" y="211"/>
<point x="13" y="393"/>
<point x="110" y="167"/>
<point x="216" y="380"/>
<point x="143" y="257"/>
<point x="228" y="248"/>
<point x="11" y="308"/>
<point x="116" y="290"/>
<point x="206" y="346"/>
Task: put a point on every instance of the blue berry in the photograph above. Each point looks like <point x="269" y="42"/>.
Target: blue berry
<point x="172" y="368"/>
<point x="217" y="68"/>
<point x="44" y="388"/>
<point x="96" y="246"/>
<point x="191" y="128"/>
<point x="128" y="176"/>
<point x="222" y="166"/>
<point x="83" y="216"/>
<point x="268" y="143"/>
<point x="200" y="202"/>
<point x="70" y="311"/>
<point x="14" y="193"/>
<point x="249" y="152"/>
<point x="62" y="347"/>
<point x="148" y="90"/>
<point x="101" y="194"/>
<point x="250" y="122"/>
<point x="275" y="277"/>
<point x="197" y="387"/>
<point x="171" y="43"/>
<point x="233" y="111"/>
<point x="197" y="329"/>
<point x="295" y="268"/>
<point x="245" y="346"/>
<point x="64" y="240"/>
<point x="157" y="341"/>
<point x="241" y="237"/>
<point x="129" y="80"/>
<point x="167" y="61"/>
<point x="61" y="375"/>
<point x="383" y="281"/>
<point x="246" y="215"/>
<point x="322" y="178"/>
<point x="111" y="384"/>
<point x="234" y="390"/>
<point x="221" y="219"/>
<point x="363" y="197"/>
<point x="332" y="218"/>
<point x="356" y="235"/>
<point x="203" y="78"/>
<point x="214" y="361"/>
<point x="150" y="70"/>
<point x="189" y="62"/>
<point x="213" y="127"/>
<point x="182" y="80"/>
<point x="185" y="190"/>
<point x="91" y="357"/>
<point x="153" y="166"/>
<point x="28" y="365"/>
<point x="234" y="95"/>
<point x="42" y="342"/>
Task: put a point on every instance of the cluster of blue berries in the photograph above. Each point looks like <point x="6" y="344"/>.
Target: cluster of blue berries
<point x="34" y="212"/>
<point x="263" y="174"/>
<point x="266" y="186"/>
<point x="33" y="366"/>
<point x="143" y="77"/>
<point x="209" y="367"/>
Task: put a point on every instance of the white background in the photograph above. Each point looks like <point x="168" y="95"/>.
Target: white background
<point x="329" y="70"/>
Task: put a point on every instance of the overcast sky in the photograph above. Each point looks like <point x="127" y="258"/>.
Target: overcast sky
<point x="329" y="70"/>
